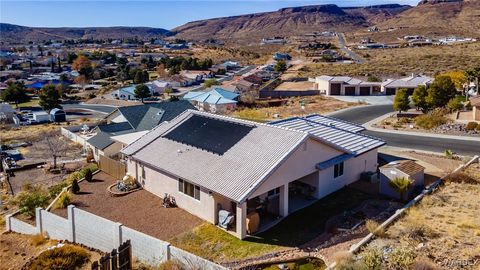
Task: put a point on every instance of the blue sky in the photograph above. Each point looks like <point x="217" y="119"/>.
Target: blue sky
<point x="154" y="13"/>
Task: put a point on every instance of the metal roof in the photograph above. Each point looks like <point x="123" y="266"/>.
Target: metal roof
<point x="351" y="142"/>
<point x="235" y="173"/>
<point x="335" y="122"/>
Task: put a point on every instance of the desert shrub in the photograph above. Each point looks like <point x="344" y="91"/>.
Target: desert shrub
<point x="401" y="185"/>
<point x="424" y="264"/>
<point x="2" y="220"/>
<point x="449" y="154"/>
<point x="420" y="232"/>
<point x="75" y="187"/>
<point x="170" y="265"/>
<point x="65" y="257"/>
<point x="471" y="126"/>
<point x="63" y="201"/>
<point x="429" y="121"/>
<point x="54" y="190"/>
<point x="373" y="227"/>
<point x="462" y="178"/>
<point x="372" y="258"/>
<point x="478" y="127"/>
<point x="400" y="258"/>
<point x="38" y="239"/>
<point x="31" y="198"/>
<point x="88" y="175"/>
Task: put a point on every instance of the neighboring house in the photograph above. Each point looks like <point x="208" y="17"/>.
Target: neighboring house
<point x="252" y="170"/>
<point x="245" y="86"/>
<point x="475" y="102"/>
<point x="216" y="100"/>
<point x="128" y="93"/>
<point x="182" y="81"/>
<point x="159" y="87"/>
<point x="132" y="119"/>
<point x="197" y="75"/>
<point x="390" y="86"/>
<point x="408" y="169"/>
<point x="344" y="86"/>
<point x="282" y="56"/>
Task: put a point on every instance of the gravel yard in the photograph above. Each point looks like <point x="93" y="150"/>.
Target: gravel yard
<point x="140" y="210"/>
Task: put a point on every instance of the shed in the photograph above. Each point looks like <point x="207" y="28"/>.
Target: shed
<point x="58" y="115"/>
<point x="408" y="169"/>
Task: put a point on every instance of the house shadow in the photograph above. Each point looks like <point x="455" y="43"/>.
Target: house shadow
<point x="309" y="223"/>
<point x="83" y="193"/>
<point x="96" y="181"/>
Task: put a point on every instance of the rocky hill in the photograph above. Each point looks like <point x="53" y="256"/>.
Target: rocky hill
<point x="11" y="33"/>
<point x="439" y="18"/>
<point x="287" y="22"/>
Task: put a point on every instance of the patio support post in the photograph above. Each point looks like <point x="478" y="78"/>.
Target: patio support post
<point x="241" y="215"/>
<point x="284" y="200"/>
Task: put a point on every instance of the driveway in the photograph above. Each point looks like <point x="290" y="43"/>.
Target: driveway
<point x="372" y="100"/>
<point x="347" y="51"/>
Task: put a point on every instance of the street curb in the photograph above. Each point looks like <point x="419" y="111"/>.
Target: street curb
<point x="369" y="126"/>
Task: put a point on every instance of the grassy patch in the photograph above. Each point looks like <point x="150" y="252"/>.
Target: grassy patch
<point x="212" y="243"/>
<point x="31" y="103"/>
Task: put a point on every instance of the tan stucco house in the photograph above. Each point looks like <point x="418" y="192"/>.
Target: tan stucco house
<point x="254" y="171"/>
<point x="345" y="86"/>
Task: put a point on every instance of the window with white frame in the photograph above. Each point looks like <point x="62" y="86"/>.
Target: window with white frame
<point x="338" y="170"/>
<point x="189" y="189"/>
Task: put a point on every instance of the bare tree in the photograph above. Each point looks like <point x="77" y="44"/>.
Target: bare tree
<point x="53" y="145"/>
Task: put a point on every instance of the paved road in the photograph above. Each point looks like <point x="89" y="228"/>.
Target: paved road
<point x="99" y="108"/>
<point x="345" y="49"/>
<point x="362" y="115"/>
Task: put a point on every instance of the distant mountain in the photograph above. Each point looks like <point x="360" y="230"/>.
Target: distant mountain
<point x="288" y="22"/>
<point x="439" y="17"/>
<point x="11" y="33"/>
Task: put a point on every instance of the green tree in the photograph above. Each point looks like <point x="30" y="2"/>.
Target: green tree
<point x="15" y="93"/>
<point x="280" y="66"/>
<point x="441" y="91"/>
<point x="142" y="91"/>
<point x="455" y="104"/>
<point x="49" y="97"/>
<point x="210" y="82"/>
<point x="419" y="98"/>
<point x="473" y="75"/>
<point x="138" y="77"/>
<point x="401" y="102"/>
<point x="401" y="185"/>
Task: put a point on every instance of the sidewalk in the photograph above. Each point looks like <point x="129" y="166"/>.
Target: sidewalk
<point x="369" y="126"/>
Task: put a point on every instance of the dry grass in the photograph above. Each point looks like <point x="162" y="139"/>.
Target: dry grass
<point x="298" y="86"/>
<point x="444" y="227"/>
<point x="38" y="239"/>
<point x="403" y="61"/>
<point x="313" y="104"/>
<point x="25" y="133"/>
<point x="373" y="228"/>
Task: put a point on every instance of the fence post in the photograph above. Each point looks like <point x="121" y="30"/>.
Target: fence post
<point x="114" y="259"/>
<point x="38" y="219"/>
<point x="169" y="252"/>
<point x="117" y="237"/>
<point x="71" y="218"/>
<point x="8" y="222"/>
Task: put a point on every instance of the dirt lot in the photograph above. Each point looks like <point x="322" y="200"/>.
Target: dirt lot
<point x="140" y="210"/>
<point x="298" y="86"/>
<point x="403" y="61"/>
<point x="41" y="177"/>
<point x="17" y="249"/>
<point x="313" y="104"/>
<point x="443" y="230"/>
